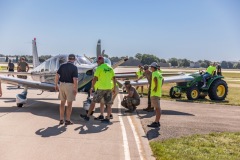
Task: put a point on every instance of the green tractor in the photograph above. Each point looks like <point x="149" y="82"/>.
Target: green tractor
<point x="216" y="88"/>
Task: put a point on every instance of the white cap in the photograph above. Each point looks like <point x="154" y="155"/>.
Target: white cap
<point x="154" y="64"/>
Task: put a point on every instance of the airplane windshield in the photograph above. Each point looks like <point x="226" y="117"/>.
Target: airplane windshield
<point x="83" y="60"/>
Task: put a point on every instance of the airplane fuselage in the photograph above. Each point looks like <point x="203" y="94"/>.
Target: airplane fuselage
<point x="46" y="71"/>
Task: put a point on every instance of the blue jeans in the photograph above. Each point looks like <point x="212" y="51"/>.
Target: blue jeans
<point x="205" y="76"/>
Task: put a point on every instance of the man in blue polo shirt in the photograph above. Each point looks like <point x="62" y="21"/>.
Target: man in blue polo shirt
<point x="67" y="75"/>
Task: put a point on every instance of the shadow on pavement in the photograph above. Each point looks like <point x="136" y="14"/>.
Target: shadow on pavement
<point x="51" y="131"/>
<point x="171" y="112"/>
<point x="152" y="133"/>
<point x="92" y="127"/>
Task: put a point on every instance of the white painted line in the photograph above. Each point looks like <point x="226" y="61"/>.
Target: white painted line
<point x="124" y="134"/>
<point x="136" y="137"/>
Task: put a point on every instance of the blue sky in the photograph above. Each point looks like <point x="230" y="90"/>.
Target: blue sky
<point x="192" y="29"/>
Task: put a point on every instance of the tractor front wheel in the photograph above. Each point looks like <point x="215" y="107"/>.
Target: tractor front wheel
<point x="193" y="93"/>
<point x="218" y="90"/>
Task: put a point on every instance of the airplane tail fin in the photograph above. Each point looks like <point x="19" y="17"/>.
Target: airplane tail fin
<point x="99" y="48"/>
<point x="35" y="53"/>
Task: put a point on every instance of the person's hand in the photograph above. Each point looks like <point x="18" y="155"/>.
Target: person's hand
<point x="90" y="91"/>
<point x="113" y="91"/>
<point x="56" y="87"/>
<point x="75" y="91"/>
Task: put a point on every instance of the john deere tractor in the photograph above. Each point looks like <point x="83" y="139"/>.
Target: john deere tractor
<point x="216" y="88"/>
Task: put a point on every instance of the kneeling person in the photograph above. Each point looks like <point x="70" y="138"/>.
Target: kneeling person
<point x="132" y="99"/>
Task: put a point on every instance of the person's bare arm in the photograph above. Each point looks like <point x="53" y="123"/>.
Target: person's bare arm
<point x="130" y="93"/>
<point x="95" y="79"/>
<point x="139" y="78"/>
<point x="0" y="89"/>
<point x="114" y="85"/>
<point x="27" y="67"/>
<point x="75" y="85"/>
<point x="56" y="81"/>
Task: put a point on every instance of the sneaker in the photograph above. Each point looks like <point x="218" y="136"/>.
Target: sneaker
<point x="68" y="122"/>
<point x="100" y="117"/>
<point x="204" y="86"/>
<point x="154" y="125"/>
<point x="105" y="120"/>
<point x="111" y="116"/>
<point x="85" y="117"/>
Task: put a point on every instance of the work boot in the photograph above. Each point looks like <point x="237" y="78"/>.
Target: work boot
<point x="100" y="117"/>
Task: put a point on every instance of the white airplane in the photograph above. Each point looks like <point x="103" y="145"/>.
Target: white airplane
<point x="43" y="74"/>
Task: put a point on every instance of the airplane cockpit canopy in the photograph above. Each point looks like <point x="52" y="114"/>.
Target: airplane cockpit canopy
<point x="82" y="60"/>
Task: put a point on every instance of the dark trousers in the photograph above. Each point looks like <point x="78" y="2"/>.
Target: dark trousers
<point x="149" y="100"/>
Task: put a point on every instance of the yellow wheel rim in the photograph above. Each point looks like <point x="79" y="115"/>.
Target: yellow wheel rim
<point x="221" y="90"/>
<point x="194" y="94"/>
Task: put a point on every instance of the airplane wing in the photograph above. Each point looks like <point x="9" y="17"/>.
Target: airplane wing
<point x="16" y="73"/>
<point x="28" y="83"/>
<point x="132" y="75"/>
<point x="173" y="79"/>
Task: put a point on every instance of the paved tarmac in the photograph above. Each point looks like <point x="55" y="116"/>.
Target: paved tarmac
<point x="187" y="118"/>
<point x="33" y="133"/>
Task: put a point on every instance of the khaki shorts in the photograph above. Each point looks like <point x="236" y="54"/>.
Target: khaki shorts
<point x="155" y="101"/>
<point x="66" y="92"/>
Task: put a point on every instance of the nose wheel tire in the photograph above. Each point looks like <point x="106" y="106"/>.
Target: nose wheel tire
<point x="20" y="105"/>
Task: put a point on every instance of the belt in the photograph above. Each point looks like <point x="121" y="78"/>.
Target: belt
<point x="66" y="82"/>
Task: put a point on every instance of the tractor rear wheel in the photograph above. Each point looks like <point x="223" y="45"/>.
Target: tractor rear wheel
<point x="218" y="90"/>
<point x="193" y="93"/>
<point x="174" y="94"/>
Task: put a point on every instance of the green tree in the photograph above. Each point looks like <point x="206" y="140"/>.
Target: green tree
<point x="163" y="61"/>
<point x="184" y="63"/>
<point x="224" y="64"/>
<point x="203" y="65"/>
<point x="149" y="58"/>
<point x="138" y="56"/>
<point x="173" y="61"/>
<point x="230" y="65"/>
<point x="236" y="65"/>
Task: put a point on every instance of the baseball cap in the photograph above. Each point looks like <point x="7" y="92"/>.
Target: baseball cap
<point x="71" y="56"/>
<point x="145" y="67"/>
<point x="127" y="82"/>
<point x="100" y="58"/>
<point x="154" y="64"/>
